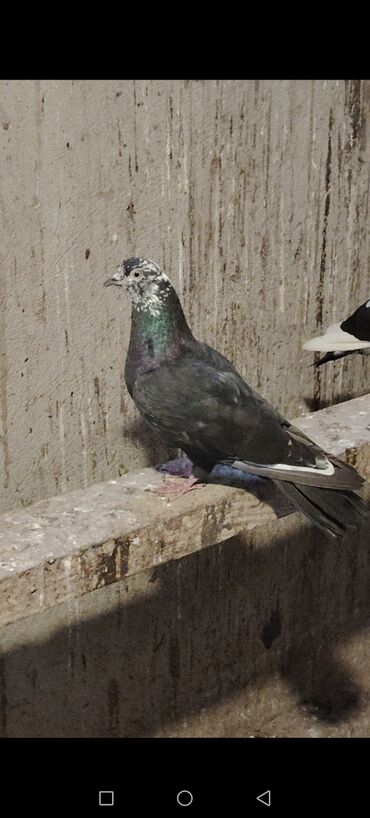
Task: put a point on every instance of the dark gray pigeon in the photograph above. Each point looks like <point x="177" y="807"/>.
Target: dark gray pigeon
<point x="196" y="400"/>
<point x="349" y="337"/>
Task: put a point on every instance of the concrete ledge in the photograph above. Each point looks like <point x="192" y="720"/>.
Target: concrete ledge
<point x="67" y="546"/>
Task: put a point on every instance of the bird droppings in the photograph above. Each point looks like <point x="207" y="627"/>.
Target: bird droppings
<point x="87" y="253"/>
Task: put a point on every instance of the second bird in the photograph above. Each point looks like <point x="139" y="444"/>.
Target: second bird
<point x="350" y="337"/>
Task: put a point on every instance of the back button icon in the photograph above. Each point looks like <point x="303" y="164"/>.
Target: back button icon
<point x="265" y="798"/>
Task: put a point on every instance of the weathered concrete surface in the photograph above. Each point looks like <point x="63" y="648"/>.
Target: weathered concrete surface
<point x="253" y="195"/>
<point x="67" y="546"/>
<point x="265" y="634"/>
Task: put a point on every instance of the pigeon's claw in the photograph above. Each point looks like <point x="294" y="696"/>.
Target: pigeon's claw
<point x="176" y="488"/>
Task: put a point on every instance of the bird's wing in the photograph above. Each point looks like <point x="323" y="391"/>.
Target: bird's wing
<point x="336" y="339"/>
<point x="215" y="417"/>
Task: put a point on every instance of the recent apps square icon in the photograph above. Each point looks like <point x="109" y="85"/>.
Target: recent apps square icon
<point x="106" y="798"/>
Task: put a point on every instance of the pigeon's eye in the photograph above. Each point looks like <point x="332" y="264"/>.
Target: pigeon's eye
<point x="136" y="274"/>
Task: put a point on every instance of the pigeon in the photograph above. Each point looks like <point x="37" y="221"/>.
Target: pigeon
<point x="349" y="337"/>
<point x="195" y="399"/>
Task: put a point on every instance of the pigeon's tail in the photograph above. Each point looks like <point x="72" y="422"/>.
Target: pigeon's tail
<point x="336" y="512"/>
<point x="334" y="356"/>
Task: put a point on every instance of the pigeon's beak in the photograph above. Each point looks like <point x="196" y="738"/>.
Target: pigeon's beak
<point x="116" y="279"/>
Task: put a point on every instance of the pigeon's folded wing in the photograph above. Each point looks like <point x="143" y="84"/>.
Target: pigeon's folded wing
<point x="215" y="417"/>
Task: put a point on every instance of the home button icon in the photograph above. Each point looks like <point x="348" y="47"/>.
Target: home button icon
<point x="184" y="798"/>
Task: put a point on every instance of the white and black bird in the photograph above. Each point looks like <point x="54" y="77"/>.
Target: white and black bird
<point x="196" y="400"/>
<point x="350" y="337"/>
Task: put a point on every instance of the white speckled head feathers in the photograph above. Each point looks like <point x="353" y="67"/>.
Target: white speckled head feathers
<point x="147" y="285"/>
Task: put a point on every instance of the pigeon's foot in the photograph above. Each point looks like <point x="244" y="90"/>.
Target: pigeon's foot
<point x="180" y="467"/>
<point x="172" y="486"/>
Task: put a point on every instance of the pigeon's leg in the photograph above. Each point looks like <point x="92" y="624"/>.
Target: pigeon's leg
<point x="177" y="489"/>
<point x="180" y="467"/>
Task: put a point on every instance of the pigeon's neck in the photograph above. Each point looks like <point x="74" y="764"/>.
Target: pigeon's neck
<point x="161" y="322"/>
<point x="158" y="333"/>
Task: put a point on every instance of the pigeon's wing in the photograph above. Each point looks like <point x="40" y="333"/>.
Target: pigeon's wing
<point x="215" y="417"/>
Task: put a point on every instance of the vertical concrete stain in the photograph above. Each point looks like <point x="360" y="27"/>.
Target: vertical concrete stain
<point x="323" y="259"/>
<point x="113" y="707"/>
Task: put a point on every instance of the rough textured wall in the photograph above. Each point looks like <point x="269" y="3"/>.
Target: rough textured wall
<point x="254" y="197"/>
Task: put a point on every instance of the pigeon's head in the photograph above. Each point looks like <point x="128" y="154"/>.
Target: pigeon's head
<point x="147" y="285"/>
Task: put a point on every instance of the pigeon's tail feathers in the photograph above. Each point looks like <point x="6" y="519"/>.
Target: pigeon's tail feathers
<point x="333" y="474"/>
<point x="335" y="339"/>
<point x="334" y="356"/>
<point x="336" y="512"/>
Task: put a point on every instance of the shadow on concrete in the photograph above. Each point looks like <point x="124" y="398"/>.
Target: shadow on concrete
<point x="145" y="654"/>
<point x="141" y="435"/>
<point x="314" y="404"/>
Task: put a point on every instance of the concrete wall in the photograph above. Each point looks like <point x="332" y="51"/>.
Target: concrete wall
<point x="253" y="195"/>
